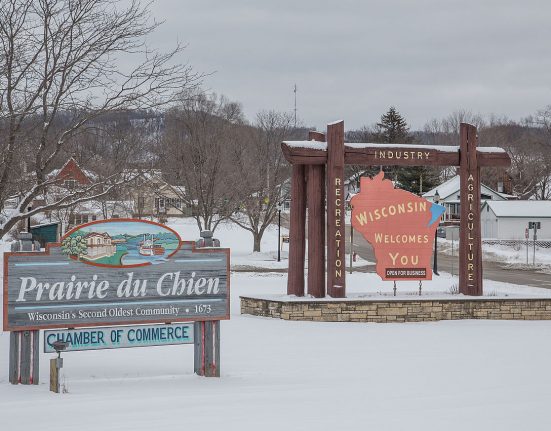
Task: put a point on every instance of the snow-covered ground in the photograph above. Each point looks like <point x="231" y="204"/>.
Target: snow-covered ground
<point x="241" y="240"/>
<point x="360" y="285"/>
<point x="281" y="375"/>
<point x="241" y="243"/>
<point x="277" y="375"/>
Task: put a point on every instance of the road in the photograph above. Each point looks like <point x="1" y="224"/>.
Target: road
<point x="491" y="270"/>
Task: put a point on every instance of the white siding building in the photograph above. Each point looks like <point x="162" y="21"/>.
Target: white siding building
<point x="509" y="219"/>
<point x="450" y="192"/>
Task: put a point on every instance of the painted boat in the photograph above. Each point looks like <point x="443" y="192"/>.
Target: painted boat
<point x="147" y="247"/>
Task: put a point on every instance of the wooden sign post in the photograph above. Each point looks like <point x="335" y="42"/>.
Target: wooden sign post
<point x="207" y="349"/>
<point x="24" y="357"/>
<point x="115" y="272"/>
<point x="309" y="158"/>
<point x="336" y="284"/>
<point x="470" y="244"/>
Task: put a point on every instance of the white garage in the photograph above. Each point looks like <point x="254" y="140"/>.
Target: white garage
<point x="509" y="219"/>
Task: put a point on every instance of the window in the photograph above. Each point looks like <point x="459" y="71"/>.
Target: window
<point x="174" y="203"/>
<point x="78" y="219"/>
<point x="141" y="202"/>
<point x="70" y="184"/>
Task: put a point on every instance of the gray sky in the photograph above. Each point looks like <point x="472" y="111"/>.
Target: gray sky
<point x="351" y="60"/>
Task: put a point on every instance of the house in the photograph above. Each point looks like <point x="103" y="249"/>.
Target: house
<point x="509" y="219"/>
<point x="154" y="197"/>
<point x="99" y="245"/>
<point x="449" y="193"/>
<point x="71" y="175"/>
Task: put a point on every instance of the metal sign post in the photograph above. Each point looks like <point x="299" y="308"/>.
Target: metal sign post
<point x="535" y="225"/>
<point x="527" y="235"/>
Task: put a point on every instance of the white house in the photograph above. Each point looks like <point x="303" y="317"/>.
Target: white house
<point x="509" y="219"/>
<point x="450" y="192"/>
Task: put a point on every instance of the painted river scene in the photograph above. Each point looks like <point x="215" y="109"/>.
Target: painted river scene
<point x="121" y="243"/>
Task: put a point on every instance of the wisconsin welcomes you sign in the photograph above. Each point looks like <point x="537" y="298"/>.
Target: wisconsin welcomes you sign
<point x="399" y="225"/>
<point x="114" y="272"/>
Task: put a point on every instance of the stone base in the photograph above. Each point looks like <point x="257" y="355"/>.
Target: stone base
<point x="399" y="310"/>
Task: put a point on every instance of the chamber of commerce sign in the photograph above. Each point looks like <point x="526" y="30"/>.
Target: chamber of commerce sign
<point x="117" y="337"/>
<point x="114" y="272"/>
<point x="399" y="225"/>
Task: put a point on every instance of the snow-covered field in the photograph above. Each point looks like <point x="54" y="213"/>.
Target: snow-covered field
<point x="281" y="375"/>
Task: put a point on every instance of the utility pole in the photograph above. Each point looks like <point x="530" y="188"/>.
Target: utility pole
<point x="295" y="91"/>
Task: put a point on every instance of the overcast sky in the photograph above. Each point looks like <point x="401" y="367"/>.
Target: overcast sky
<point x="351" y="60"/>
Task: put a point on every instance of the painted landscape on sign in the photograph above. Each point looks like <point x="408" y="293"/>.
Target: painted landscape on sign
<point x="120" y="242"/>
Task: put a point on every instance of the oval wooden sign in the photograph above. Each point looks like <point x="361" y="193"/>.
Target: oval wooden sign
<point x="121" y="243"/>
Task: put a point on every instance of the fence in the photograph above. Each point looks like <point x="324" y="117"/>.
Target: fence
<point x="518" y="243"/>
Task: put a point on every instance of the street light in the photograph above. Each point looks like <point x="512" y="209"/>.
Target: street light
<point x="279" y="231"/>
<point x="435" y="263"/>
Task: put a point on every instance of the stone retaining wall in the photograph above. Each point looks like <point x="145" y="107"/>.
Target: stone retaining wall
<point x="405" y="310"/>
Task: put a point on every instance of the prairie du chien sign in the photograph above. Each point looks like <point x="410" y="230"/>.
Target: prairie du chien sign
<point x="399" y="225"/>
<point x="115" y="272"/>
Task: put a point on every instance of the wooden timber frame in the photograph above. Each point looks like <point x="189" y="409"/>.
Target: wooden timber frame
<point x="318" y="180"/>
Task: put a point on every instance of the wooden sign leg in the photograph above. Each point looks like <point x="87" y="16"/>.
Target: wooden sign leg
<point x="336" y="274"/>
<point x="297" y="232"/>
<point x="470" y="243"/>
<point x="24" y="357"/>
<point x="316" y="231"/>
<point x="54" y="376"/>
<point x="207" y="348"/>
<point x="14" y="357"/>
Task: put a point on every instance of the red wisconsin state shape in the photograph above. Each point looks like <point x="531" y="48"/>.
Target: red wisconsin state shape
<point x="396" y="223"/>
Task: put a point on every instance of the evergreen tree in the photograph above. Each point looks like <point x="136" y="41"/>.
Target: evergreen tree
<point x="393" y="129"/>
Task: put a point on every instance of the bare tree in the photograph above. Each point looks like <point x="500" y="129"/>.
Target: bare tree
<point x="58" y="74"/>
<point x="263" y="172"/>
<point x="199" y="152"/>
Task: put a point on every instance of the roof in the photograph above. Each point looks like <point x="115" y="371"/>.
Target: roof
<point x="44" y="224"/>
<point x="71" y="163"/>
<point x="453" y="185"/>
<point x="104" y="235"/>
<point x="535" y="209"/>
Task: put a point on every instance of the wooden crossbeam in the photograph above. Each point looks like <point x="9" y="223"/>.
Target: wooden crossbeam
<point x="315" y="153"/>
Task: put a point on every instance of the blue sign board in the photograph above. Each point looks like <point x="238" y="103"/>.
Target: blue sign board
<point x="116" y="337"/>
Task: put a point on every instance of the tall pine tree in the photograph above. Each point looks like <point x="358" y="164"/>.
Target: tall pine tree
<point x="393" y="129"/>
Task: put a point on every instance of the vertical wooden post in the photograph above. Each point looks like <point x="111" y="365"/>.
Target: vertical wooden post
<point x="336" y="273"/>
<point x="24" y="357"/>
<point x="470" y="244"/>
<point x="14" y="358"/>
<point x="316" y="231"/>
<point x="297" y="232"/>
<point x="207" y="348"/>
<point x="54" y="375"/>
